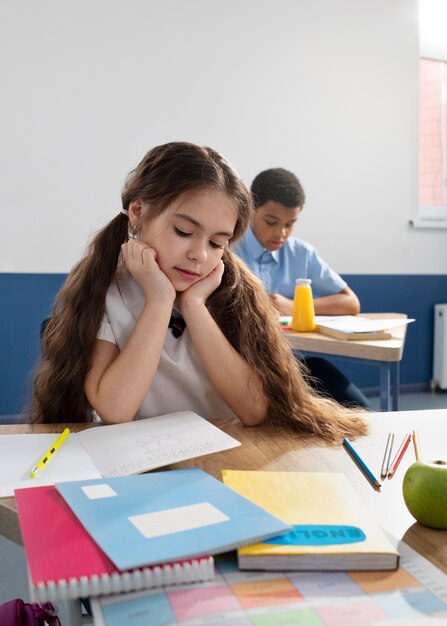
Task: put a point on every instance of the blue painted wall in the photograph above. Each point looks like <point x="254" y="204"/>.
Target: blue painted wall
<point x="414" y="295"/>
<point x="27" y="300"/>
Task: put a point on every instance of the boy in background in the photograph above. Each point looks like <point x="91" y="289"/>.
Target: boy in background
<point x="279" y="259"/>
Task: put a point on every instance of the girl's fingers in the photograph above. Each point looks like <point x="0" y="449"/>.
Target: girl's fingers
<point x="217" y="273"/>
<point x="137" y="253"/>
<point x="148" y="258"/>
<point x="219" y="269"/>
<point x="141" y="262"/>
<point x="205" y="287"/>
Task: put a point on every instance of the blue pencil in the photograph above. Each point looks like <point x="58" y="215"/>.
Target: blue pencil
<point x="361" y="463"/>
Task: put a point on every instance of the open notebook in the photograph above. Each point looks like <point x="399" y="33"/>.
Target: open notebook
<point x="113" y="450"/>
<point x="355" y="327"/>
<point x="351" y="327"/>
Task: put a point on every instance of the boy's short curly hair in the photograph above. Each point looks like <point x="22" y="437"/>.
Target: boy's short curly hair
<point x="279" y="185"/>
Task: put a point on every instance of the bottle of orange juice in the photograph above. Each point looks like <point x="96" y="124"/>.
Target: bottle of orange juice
<point x="303" y="313"/>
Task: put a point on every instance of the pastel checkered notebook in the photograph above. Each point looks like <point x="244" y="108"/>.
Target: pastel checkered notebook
<point x="64" y="562"/>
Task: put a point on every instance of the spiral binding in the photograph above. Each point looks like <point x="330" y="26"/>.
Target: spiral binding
<point x="196" y="570"/>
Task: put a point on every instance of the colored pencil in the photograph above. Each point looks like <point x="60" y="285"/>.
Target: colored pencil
<point x="417" y="448"/>
<point x="361" y="463"/>
<point x="40" y="466"/>
<point x="387" y="456"/>
<point x="399" y="454"/>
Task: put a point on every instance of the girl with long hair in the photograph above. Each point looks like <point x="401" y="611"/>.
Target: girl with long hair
<point x="160" y="315"/>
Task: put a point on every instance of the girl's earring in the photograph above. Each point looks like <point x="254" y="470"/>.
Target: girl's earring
<point x="133" y="232"/>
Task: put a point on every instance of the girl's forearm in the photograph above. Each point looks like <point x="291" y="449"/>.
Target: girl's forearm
<point x="121" y="388"/>
<point x="228" y="371"/>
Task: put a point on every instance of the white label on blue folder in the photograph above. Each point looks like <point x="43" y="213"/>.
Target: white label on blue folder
<point x="94" y="492"/>
<point x="176" y="520"/>
<point x="318" y="535"/>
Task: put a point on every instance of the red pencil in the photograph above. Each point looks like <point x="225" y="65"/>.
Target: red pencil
<point x="399" y="454"/>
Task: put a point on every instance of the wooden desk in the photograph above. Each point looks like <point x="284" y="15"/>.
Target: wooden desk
<point x="385" y="354"/>
<point x="262" y="450"/>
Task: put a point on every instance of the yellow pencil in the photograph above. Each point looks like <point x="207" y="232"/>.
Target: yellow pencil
<point x="417" y="449"/>
<point x="48" y="455"/>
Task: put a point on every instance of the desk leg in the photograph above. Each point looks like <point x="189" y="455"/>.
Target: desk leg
<point x="395" y="371"/>
<point x="385" y="387"/>
<point x="73" y="613"/>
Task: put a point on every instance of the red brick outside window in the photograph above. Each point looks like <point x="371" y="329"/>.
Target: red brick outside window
<point x="433" y="137"/>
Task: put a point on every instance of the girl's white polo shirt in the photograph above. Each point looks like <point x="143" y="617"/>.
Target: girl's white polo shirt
<point x="180" y="382"/>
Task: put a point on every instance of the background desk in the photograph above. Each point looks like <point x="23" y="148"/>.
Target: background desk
<point x="263" y="450"/>
<point x="385" y="354"/>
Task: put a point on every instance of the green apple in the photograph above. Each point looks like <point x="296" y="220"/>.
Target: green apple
<point x="425" y="492"/>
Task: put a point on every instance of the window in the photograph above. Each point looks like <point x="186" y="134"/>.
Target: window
<point x="433" y="139"/>
<point x="433" y="114"/>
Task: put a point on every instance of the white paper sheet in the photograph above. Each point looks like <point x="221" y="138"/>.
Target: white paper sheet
<point x="134" y="447"/>
<point x="20" y="453"/>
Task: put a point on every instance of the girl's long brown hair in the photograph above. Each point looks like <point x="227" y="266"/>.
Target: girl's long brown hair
<point x="240" y="306"/>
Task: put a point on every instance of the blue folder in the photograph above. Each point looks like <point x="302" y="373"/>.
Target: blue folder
<point x="166" y="516"/>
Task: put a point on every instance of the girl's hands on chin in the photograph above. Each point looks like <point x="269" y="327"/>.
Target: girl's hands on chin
<point x="201" y="290"/>
<point x="141" y="261"/>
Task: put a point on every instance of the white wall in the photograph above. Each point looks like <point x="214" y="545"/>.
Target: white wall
<point x="327" y="88"/>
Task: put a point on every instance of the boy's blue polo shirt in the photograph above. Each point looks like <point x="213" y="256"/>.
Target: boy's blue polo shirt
<point x="279" y="269"/>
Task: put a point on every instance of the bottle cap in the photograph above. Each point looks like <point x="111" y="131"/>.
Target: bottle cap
<point x="303" y="281"/>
